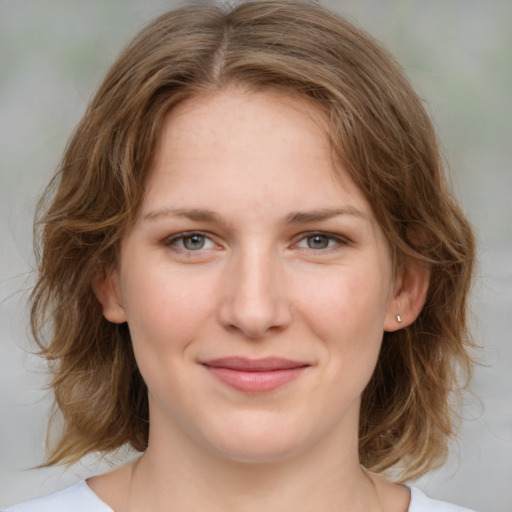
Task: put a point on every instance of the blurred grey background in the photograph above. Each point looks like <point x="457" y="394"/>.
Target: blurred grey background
<point x="458" y="53"/>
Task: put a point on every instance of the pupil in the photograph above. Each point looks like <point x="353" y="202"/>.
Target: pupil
<point x="194" y="242"/>
<point x="318" y="242"/>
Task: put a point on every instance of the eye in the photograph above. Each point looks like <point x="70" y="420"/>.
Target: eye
<point x="194" y="241"/>
<point x="319" y="241"/>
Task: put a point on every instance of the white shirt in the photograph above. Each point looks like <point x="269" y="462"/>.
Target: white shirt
<point x="80" y="498"/>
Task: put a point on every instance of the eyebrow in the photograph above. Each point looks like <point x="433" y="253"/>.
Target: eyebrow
<point x="322" y="214"/>
<point x="196" y="214"/>
<point x="298" y="217"/>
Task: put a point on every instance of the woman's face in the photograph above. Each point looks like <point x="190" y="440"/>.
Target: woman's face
<point x="256" y="287"/>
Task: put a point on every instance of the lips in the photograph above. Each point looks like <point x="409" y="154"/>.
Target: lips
<point x="255" y="375"/>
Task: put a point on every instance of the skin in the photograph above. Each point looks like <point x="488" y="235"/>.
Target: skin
<point x="236" y="168"/>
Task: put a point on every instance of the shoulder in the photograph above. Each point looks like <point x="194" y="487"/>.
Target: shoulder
<point x="78" y="498"/>
<point x="421" y="503"/>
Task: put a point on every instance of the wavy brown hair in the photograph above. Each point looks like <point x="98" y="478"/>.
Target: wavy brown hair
<point x="377" y="127"/>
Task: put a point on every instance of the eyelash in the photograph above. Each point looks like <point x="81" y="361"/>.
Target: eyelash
<point x="339" y="241"/>
<point x="172" y="241"/>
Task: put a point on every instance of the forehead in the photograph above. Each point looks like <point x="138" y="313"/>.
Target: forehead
<point x="214" y="117"/>
<point x="252" y="137"/>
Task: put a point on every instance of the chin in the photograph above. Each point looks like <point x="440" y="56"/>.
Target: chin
<point x="260" y="443"/>
<point x="261" y="453"/>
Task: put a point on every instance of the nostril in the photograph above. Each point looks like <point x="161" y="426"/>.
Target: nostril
<point x="254" y="321"/>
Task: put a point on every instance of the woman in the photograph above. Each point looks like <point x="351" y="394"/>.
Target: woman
<point x="254" y="271"/>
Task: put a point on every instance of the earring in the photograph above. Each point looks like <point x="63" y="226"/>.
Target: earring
<point x="399" y="319"/>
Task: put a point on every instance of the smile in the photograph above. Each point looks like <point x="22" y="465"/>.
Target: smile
<point x="255" y="375"/>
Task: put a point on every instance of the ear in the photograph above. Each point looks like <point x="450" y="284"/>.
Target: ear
<point x="105" y="286"/>
<point x="409" y="296"/>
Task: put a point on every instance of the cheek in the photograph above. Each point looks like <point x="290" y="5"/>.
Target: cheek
<point x="165" y="312"/>
<point x="347" y="314"/>
<point x="350" y="303"/>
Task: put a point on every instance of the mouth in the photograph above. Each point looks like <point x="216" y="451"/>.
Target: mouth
<point x="255" y="375"/>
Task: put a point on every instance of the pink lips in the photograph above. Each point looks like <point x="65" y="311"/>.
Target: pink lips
<point x="255" y="375"/>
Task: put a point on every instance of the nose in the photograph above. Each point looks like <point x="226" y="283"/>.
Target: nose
<point x="254" y="301"/>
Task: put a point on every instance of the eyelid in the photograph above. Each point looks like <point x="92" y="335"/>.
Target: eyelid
<point x="341" y="240"/>
<point x="172" y="239"/>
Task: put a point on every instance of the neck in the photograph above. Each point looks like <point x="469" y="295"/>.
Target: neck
<point x="187" y="478"/>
